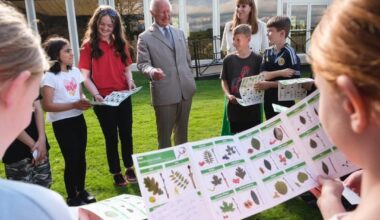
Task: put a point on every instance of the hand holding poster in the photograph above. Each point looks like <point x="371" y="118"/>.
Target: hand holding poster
<point x="116" y="97"/>
<point x="292" y="89"/>
<point x="241" y="175"/>
<point x="249" y="95"/>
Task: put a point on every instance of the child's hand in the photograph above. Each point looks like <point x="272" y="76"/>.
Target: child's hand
<point x="82" y="104"/>
<point x="232" y="99"/>
<point x="308" y="86"/>
<point x="329" y="196"/>
<point x="98" y="98"/>
<point x="131" y="84"/>
<point x="40" y="147"/>
<point x="354" y="181"/>
<point x="287" y="72"/>
<point x="263" y="85"/>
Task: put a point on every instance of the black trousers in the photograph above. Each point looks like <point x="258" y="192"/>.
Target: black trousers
<point x="237" y="127"/>
<point x="71" y="135"/>
<point x="114" y="121"/>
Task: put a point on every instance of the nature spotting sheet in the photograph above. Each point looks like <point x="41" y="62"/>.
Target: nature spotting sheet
<point x="116" y="97"/>
<point x="122" y="207"/>
<point x="249" y="95"/>
<point x="241" y="175"/>
<point x="292" y="89"/>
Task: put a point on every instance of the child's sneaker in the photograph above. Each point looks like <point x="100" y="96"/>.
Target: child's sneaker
<point x="86" y="197"/>
<point x="119" y="180"/>
<point x="130" y="175"/>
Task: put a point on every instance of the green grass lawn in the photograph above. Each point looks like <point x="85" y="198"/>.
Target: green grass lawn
<point x="205" y="122"/>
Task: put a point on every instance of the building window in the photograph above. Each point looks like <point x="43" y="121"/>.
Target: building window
<point x="266" y="8"/>
<point x="199" y="18"/>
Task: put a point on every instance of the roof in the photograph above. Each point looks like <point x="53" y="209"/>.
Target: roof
<point x="58" y="8"/>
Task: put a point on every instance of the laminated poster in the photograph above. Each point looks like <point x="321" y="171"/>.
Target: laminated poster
<point x="116" y="97"/>
<point x="249" y="95"/>
<point x="292" y="89"/>
<point x="122" y="207"/>
<point x="241" y="175"/>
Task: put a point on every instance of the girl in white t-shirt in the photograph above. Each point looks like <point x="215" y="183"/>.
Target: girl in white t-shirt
<point x="64" y="102"/>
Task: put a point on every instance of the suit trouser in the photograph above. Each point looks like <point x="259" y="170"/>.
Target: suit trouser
<point x="170" y="119"/>
<point x="114" y="121"/>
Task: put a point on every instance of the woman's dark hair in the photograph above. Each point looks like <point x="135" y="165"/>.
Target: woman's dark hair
<point x="119" y="39"/>
<point x="53" y="46"/>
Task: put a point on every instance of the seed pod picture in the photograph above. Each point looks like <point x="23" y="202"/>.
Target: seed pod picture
<point x="281" y="187"/>
<point x="255" y="198"/>
<point x="325" y="168"/>
<point x="288" y="155"/>
<point x="255" y="143"/>
<point x="313" y="144"/>
<point x="277" y="132"/>
<point x="267" y="165"/>
<point x="302" y="120"/>
<point x="302" y="177"/>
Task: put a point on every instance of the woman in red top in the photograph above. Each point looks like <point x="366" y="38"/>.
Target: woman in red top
<point x="106" y="66"/>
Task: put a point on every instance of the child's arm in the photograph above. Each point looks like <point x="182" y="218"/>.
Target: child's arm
<point x="26" y="139"/>
<point x="40" y="144"/>
<point x="268" y="75"/>
<point x="50" y="106"/>
<point x="264" y="85"/>
<point x="128" y="76"/>
<point x="90" y="86"/>
<point x="227" y="93"/>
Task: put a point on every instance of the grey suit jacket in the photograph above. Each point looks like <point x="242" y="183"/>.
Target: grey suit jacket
<point x="153" y="51"/>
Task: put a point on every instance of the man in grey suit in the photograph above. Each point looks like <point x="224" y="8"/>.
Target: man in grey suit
<point x="163" y="57"/>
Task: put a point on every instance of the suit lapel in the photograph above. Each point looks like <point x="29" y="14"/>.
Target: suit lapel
<point x="157" y="34"/>
<point x="175" y="37"/>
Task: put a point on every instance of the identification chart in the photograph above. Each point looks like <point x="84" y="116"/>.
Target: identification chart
<point x="292" y="89"/>
<point x="116" y="97"/>
<point x="241" y="175"/>
<point x="249" y="95"/>
<point x="122" y="207"/>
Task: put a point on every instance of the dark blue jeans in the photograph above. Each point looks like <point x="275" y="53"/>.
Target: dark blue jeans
<point x="116" y="121"/>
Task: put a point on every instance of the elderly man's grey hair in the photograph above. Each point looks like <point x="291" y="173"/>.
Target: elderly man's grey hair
<point x="154" y="3"/>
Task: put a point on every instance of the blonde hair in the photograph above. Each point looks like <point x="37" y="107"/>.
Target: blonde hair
<point x="347" y="41"/>
<point x="252" y="19"/>
<point x="244" y="29"/>
<point x="20" y="48"/>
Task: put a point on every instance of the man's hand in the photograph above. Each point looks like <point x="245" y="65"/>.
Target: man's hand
<point x="158" y="74"/>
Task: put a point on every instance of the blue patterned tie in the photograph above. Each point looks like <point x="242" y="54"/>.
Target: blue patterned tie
<point x="168" y="36"/>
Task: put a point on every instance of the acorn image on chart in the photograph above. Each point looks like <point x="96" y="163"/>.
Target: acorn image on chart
<point x="278" y="134"/>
